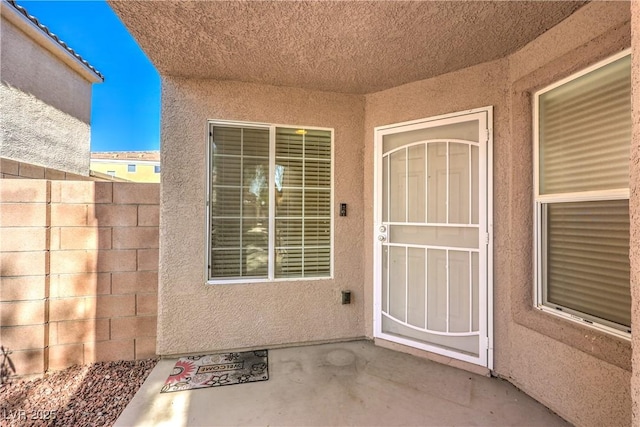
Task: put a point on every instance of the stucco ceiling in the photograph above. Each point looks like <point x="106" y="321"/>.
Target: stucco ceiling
<point x="340" y="46"/>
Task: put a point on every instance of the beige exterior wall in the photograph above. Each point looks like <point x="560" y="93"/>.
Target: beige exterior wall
<point x="145" y="171"/>
<point x="634" y="207"/>
<point x="45" y="106"/>
<point x="78" y="272"/>
<point x="195" y="317"/>
<point x="580" y="373"/>
<point x="474" y="87"/>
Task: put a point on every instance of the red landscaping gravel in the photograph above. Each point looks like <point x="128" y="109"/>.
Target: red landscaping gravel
<point x="89" y="395"/>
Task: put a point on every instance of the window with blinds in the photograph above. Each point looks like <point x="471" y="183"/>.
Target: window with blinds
<point x="582" y="200"/>
<point x="269" y="201"/>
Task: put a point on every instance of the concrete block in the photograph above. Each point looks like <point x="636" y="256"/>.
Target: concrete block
<point x="9" y="166"/>
<point x="79" y="308"/>
<point x="85" y="261"/>
<point x="79" y="331"/>
<point x="20" y="239"/>
<point x="80" y="284"/>
<point x="133" y="327"/>
<point x="24" y="263"/>
<point x="28" y="362"/>
<point x="64" y="356"/>
<point x="103" y="192"/>
<point x="23" y="337"/>
<point x="115" y="306"/>
<point x="23" y="288"/>
<point x="54" y="238"/>
<point x="136" y="193"/>
<point x="105" y="351"/>
<point x="75" y="177"/>
<point x="77" y="192"/>
<point x="113" y="215"/>
<point x="53" y="174"/>
<point x="55" y="191"/>
<point x="23" y="214"/>
<point x="135" y="237"/>
<point x="148" y="259"/>
<point x="24" y="191"/>
<point x="145" y="347"/>
<point x="146" y="304"/>
<point x="88" y="192"/>
<point x="149" y="215"/>
<point x="68" y="215"/>
<point x="53" y="333"/>
<point x="116" y="260"/>
<point x="73" y="261"/>
<point x="84" y="308"/>
<point x="31" y="171"/>
<point x="22" y="313"/>
<point x="132" y="282"/>
<point x="85" y="238"/>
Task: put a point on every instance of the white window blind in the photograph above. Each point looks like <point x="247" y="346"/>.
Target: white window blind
<point x="303" y="203"/>
<point x="245" y="241"/>
<point x="585" y="131"/>
<point x="584" y="135"/>
<point x="239" y="202"/>
<point x="587" y="267"/>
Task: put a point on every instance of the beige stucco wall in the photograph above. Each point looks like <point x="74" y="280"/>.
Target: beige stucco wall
<point x="474" y="87"/>
<point x="582" y="374"/>
<point x="196" y="317"/>
<point x="45" y="106"/>
<point x="634" y="206"/>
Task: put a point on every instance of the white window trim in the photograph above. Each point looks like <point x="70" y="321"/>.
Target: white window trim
<point x="539" y="200"/>
<point x="271" y="274"/>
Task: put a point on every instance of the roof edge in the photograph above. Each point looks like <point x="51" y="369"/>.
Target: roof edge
<point x="29" y="24"/>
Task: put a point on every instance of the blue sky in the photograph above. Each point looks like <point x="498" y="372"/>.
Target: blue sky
<point x="126" y="107"/>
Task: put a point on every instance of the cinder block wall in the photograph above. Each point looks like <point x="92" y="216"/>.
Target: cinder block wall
<point x="14" y="169"/>
<point x="79" y="272"/>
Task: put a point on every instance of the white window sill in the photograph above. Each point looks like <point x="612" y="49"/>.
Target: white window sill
<point x="588" y="323"/>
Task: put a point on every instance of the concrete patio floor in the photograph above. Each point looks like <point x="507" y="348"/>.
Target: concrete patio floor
<point x="340" y="384"/>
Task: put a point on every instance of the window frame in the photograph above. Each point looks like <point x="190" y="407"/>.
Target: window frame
<point x="539" y="201"/>
<point x="131" y="168"/>
<point x="272" y="156"/>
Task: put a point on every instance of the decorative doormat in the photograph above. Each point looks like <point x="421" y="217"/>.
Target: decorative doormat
<point x="217" y="370"/>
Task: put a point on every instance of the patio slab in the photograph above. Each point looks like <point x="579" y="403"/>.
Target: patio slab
<point x="352" y="383"/>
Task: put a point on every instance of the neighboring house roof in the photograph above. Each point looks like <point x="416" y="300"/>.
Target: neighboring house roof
<point x="126" y="155"/>
<point x="22" y="11"/>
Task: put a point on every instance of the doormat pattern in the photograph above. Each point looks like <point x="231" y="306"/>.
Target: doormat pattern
<point x="216" y="370"/>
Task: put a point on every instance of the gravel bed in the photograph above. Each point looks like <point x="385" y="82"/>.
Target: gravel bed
<point x="89" y="395"/>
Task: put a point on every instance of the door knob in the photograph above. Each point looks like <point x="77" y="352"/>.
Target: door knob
<point x="382" y="238"/>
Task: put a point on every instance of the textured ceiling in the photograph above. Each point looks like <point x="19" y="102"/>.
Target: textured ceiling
<point x="340" y="46"/>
